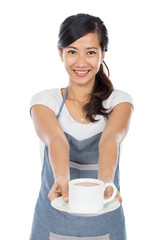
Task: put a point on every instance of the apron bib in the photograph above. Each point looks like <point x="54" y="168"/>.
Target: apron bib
<point x="51" y="224"/>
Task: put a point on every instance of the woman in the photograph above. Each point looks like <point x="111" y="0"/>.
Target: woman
<point x="81" y="127"/>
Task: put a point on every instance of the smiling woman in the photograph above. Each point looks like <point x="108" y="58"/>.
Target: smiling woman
<point x="83" y="41"/>
<point x="83" y="59"/>
<point x="81" y="128"/>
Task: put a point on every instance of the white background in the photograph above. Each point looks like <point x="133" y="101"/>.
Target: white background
<point x="29" y="62"/>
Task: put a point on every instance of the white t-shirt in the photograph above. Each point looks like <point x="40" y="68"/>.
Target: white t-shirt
<point x="52" y="98"/>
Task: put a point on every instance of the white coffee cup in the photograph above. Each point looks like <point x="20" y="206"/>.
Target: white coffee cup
<point x="86" y="195"/>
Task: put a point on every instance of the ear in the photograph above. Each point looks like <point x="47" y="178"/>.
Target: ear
<point x="60" y="52"/>
<point x="103" y="56"/>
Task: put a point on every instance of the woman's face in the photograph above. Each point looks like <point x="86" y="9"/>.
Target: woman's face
<point x="82" y="58"/>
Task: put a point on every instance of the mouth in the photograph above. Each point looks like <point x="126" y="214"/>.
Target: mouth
<point x="81" y="73"/>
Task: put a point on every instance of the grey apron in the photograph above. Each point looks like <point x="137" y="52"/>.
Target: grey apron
<point x="51" y="224"/>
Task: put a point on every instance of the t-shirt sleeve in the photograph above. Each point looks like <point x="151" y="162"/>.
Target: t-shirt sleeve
<point x="47" y="98"/>
<point x="116" y="98"/>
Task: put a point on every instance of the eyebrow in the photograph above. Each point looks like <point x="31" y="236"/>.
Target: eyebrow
<point x="77" y="48"/>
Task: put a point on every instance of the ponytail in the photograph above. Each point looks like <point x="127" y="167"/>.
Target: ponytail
<point x="102" y="89"/>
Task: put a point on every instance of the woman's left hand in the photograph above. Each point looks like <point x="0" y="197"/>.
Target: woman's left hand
<point x="108" y="193"/>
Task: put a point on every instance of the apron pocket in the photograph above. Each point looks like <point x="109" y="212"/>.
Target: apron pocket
<point x="54" y="236"/>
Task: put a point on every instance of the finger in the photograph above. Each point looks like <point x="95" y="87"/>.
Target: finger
<point x="65" y="192"/>
<point x="54" y="192"/>
<point x="108" y="192"/>
<point x="119" y="198"/>
<point x="52" y="195"/>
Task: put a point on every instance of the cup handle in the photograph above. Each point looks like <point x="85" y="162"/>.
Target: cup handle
<point x="114" y="192"/>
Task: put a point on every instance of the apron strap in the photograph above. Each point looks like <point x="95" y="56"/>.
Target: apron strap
<point x="61" y="107"/>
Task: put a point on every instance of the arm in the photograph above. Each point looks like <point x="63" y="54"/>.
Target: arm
<point x="49" y="131"/>
<point x="113" y="134"/>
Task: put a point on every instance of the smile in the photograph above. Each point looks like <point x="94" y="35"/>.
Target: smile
<point x="81" y="73"/>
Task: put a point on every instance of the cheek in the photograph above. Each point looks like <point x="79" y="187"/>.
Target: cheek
<point x="68" y="67"/>
<point x="68" y="62"/>
<point x="97" y="63"/>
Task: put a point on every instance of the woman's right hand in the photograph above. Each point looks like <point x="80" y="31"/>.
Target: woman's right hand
<point x="60" y="188"/>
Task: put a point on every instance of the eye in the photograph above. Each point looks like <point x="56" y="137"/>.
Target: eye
<point x="91" y="52"/>
<point x="72" y="52"/>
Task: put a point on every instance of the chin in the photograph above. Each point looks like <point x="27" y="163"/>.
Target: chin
<point x="82" y="82"/>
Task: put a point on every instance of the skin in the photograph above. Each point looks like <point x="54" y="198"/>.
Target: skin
<point x="84" y="54"/>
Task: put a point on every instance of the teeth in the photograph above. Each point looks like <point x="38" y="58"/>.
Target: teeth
<point x="81" y="72"/>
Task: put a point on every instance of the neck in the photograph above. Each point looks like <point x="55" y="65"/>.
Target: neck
<point x="79" y="93"/>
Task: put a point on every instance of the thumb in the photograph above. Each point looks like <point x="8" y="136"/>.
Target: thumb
<point x="108" y="192"/>
<point x="65" y="192"/>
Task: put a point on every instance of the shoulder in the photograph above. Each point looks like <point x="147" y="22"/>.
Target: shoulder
<point x="50" y="93"/>
<point x="117" y="97"/>
<point x="48" y="97"/>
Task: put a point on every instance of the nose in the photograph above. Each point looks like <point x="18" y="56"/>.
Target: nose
<point x="81" y="61"/>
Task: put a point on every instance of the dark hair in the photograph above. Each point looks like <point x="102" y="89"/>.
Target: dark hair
<point x="75" y="27"/>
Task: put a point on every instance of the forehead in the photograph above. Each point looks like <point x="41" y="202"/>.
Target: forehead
<point x="89" y="40"/>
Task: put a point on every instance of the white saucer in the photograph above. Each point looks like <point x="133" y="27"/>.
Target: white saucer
<point x="59" y="204"/>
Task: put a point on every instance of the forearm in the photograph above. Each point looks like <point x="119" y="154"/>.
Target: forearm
<point x="108" y="158"/>
<point x="59" y="157"/>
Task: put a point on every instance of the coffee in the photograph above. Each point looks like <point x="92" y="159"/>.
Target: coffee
<point x="86" y="195"/>
<point x="87" y="184"/>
